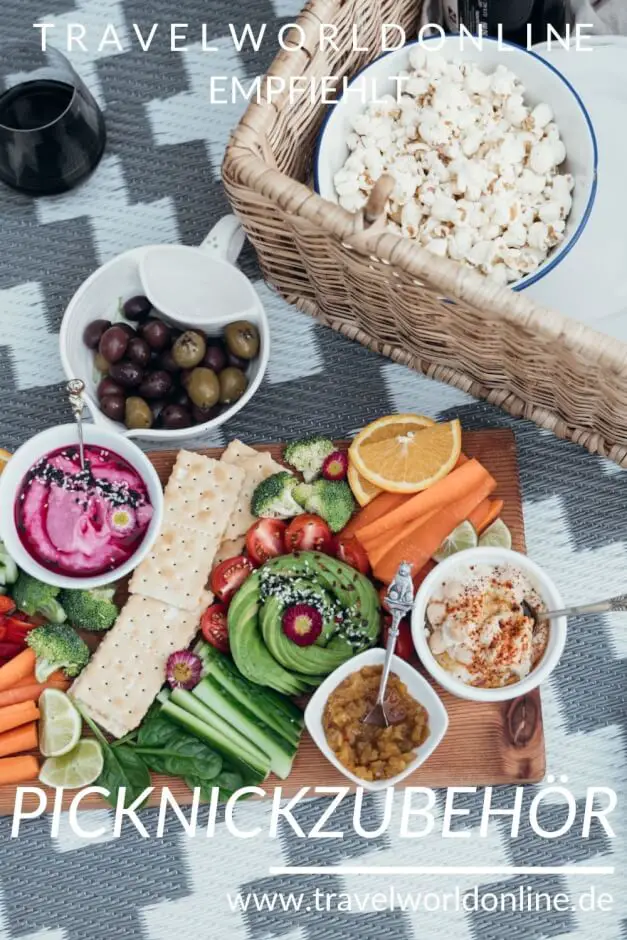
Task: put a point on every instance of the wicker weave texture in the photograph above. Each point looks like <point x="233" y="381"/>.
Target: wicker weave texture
<point x="387" y="292"/>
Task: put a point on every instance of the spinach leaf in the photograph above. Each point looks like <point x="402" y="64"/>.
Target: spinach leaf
<point x="122" y="767"/>
<point x="227" y="781"/>
<point x="170" y="750"/>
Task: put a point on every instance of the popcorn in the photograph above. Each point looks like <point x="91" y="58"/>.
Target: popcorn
<point x="475" y="167"/>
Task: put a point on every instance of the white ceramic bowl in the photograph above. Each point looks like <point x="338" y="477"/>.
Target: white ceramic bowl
<point x="417" y="687"/>
<point x="544" y="586"/>
<point x="99" y="297"/>
<point x="41" y="444"/>
<point x="543" y="83"/>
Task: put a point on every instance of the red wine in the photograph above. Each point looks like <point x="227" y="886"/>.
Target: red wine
<point x="511" y="15"/>
<point x="51" y="135"/>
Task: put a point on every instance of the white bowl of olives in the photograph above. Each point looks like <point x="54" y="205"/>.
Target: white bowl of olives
<point x="175" y="371"/>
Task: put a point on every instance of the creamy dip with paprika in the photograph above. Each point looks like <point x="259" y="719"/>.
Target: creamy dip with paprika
<point x="82" y="522"/>
<point x="478" y="629"/>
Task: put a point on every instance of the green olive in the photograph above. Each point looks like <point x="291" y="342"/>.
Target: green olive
<point x="242" y="339"/>
<point x="189" y="349"/>
<point x="233" y="384"/>
<point x="203" y="388"/>
<point x="101" y="364"/>
<point x="137" y="413"/>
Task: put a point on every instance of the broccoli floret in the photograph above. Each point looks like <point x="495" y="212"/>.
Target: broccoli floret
<point x="334" y="502"/>
<point x="34" y="597"/>
<point x="8" y="568"/>
<point x="57" y="646"/>
<point x="90" y="610"/>
<point x="274" y="497"/>
<point x="301" y="493"/>
<point x="308" y="455"/>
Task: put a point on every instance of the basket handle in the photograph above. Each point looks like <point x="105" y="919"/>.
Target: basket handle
<point x="377" y="200"/>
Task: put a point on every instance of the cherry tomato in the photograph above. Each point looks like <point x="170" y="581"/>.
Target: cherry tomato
<point x="228" y="577"/>
<point x="214" y="627"/>
<point x="351" y="551"/>
<point x="404" y="643"/>
<point x="309" y="533"/>
<point x="266" y="539"/>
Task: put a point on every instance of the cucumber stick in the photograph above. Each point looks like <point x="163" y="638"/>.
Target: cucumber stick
<point x="180" y="716"/>
<point x="248" y="752"/>
<point x="280" y="751"/>
<point x="255" y="700"/>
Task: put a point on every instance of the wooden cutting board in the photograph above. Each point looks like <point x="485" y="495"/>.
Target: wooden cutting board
<point x="486" y="743"/>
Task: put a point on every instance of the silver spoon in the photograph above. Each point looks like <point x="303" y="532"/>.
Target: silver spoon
<point x="600" y="607"/>
<point x="75" y="389"/>
<point x="399" y="601"/>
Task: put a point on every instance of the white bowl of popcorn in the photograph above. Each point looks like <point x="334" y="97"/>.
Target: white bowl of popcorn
<point x="493" y="153"/>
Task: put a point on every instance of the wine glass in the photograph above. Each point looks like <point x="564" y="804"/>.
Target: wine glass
<point x="52" y="132"/>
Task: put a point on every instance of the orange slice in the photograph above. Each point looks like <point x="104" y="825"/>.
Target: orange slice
<point x="363" y="491"/>
<point x="5" y="456"/>
<point x="406" y="453"/>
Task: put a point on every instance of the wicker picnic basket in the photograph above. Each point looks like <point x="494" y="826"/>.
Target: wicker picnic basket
<point x="387" y="292"/>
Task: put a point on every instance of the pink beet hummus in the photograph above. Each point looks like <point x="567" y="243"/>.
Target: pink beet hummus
<point x="82" y="522"/>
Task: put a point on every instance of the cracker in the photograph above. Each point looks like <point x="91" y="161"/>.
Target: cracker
<point x="236" y="450"/>
<point x="200" y="493"/>
<point x="256" y="467"/>
<point x="229" y="548"/>
<point x="176" y="569"/>
<point x="127" y="670"/>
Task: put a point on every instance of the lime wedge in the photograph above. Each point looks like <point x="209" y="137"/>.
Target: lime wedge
<point x="464" y="536"/>
<point x="496" y="536"/>
<point x="60" y="725"/>
<point x="77" y="769"/>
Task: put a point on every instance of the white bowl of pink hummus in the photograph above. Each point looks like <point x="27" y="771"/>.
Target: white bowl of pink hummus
<point x="76" y="527"/>
<point x="472" y="632"/>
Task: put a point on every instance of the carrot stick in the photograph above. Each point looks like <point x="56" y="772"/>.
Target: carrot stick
<point x="55" y="678"/>
<point x="29" y="693"/>
<point x="20" y="769"/>
<point x="485" y="514"/>
<point x="19" y="740"/>
<point x="459" y="483"/>
<point x="379" y="506"/>
<point x="420" y="542"/>
<point x="23" y="665"/>
<point x="7" y="604"/>
<point x="377" y="549"/>
<point x="12" y="716"/>
<point x="462" y="459"/>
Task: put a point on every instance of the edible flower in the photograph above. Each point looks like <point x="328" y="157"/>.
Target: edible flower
<point x="335" y="466"/>
<point x="302" y="624"/>
<point x="122" y="519"/>
<point x="183" y="670"/>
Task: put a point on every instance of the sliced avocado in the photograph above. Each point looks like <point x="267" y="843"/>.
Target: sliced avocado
<point x="310" y="660"/>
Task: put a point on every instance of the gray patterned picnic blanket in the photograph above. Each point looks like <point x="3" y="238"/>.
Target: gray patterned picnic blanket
<point x="160" y="181"/>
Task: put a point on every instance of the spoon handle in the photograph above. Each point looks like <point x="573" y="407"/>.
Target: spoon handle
<point x="600" y="607"/>
<point x="397" y="616"/>
<point x="75" y="388"/>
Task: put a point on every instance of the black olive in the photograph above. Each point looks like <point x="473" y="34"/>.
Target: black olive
<point x="128" y="374"/>
<point x="156" y="333"/>
<point x="113" y="406"/>
<point x="137" y="308"/>
<point x="156" y="385"/>
<point x="113" y="343"/>
<point x="107" y="386"/>
<point x="138" y="351"/>
<point x="174" y="417"/>
<point x="93" y="331"/>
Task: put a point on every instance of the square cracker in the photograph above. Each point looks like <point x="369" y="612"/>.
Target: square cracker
<point x="176" y="570"/>
<point x="201" y="493"/>
<point x="236" y="450"/>
<point x="256" y="468"/>
<point x="127" y="670"/>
